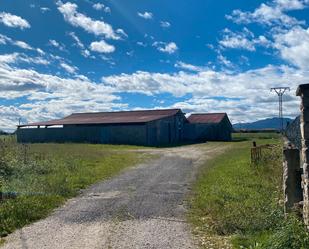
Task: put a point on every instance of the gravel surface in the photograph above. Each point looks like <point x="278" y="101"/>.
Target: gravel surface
<point x="141" y="208"/>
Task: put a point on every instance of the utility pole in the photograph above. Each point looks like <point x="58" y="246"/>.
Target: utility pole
<point x="280" y="92"/>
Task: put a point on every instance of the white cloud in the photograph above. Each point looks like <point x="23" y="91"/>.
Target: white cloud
<point x="56" y="44"/>
<point x="49" y="96"/>
<point x="224" y="61"/>
<point x="243" y="95"/>
<point x="165" y="24"/>
<point x="44" y="9"/>
<point x="146" y="15"/>
<point x="293" y="46"/>
<point x="77" y="40"/>
<point x="68" y="68"/>
<point x="101" y="6"/>
<point x="270" y="14"/>
<point x="98" y="6"/>
<point x="122" y="33"/>
<point x="13" y="21"/>
<point x="99" y="28"/>
<point x="7" y="40"/>
<point x="23" y="45"/>
<point x="141" y="44"/>
<point x="190" y="67"/>
<point x="102" y="47"/>
<point x="85" y="52"/>
<point x="164" y="47"/>
<point x="242" y="40"/>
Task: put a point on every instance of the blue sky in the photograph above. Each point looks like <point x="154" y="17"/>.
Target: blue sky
<point x="59" y="57"/>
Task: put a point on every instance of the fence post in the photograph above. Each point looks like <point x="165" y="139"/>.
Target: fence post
<point x="303" y="92"/>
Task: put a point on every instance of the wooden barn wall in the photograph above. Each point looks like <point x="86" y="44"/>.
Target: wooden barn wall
<point x="166" y="131"/>
<point x="208" y="132"/>
<point x="111" y="134"/>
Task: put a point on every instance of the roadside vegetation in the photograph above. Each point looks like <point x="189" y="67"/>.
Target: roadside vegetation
<point x="37" y="178"/>
<point x="239" y="205"/>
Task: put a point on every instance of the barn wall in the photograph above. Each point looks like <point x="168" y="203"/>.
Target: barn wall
<point x="110" y="134"/>
<point x="166" y="131"/>
<point x="159" y="132"/>
<point x="208" y="132"/>
<point x="200" y="132"/>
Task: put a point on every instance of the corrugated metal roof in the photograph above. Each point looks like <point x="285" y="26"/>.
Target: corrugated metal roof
<point x="109" y="117"/>
<point x="205" y="118"/>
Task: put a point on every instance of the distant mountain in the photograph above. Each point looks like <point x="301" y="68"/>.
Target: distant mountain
<point x="3" y="132"/>
<point x="269" y="123"/>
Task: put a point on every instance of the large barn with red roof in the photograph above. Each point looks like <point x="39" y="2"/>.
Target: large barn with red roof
<point x="145" y="127"/>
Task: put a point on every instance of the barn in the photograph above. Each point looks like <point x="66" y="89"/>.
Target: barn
<point x="208" y="127"/>
<point x="146" y="127"/>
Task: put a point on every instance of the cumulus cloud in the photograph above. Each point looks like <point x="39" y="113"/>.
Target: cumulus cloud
<point x="101" y="6"/>
<point x="77" y="42"/>
<point x="13" y="21"/>
<point x="189" y="67"/>
<point x="293" y="46"/>
<point x="21" y="44"/>
<point x="146" y="15"/>
<point x="68" y="68"/>
<point x="20" y="57"/>
<point x="102" y="47"/>
<point x="164" y="47"/>
<point x="44" y="9"/>
<point x="56" y="44"/>
<point x="272" y="13"/>
<point x="72" y="16"/>
<point x="239" y="94"/>
<point x="49" y="96"/>
<point x="242" y="40"/>
<point x="165" y="24"/>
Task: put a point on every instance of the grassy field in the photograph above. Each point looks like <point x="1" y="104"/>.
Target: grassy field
<point x="238" y="205"/>
<point x="41" y="177"/>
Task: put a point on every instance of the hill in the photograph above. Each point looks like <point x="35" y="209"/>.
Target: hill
<point x="269" y="123"/>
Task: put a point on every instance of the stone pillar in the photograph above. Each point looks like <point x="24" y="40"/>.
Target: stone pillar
<point x="303" y="92"/>
<point x="291" y="178"/>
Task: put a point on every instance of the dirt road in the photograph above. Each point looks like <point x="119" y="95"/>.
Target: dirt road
<point x="141" y="208"/>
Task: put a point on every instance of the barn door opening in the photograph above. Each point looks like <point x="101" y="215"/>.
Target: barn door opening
<point x="169" y="133"/>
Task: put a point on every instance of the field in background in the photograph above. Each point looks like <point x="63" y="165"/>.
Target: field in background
<point x="37" y="178"/>
<point x="238" y="205"/>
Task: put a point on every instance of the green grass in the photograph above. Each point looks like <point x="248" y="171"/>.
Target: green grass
<point x="45" y="175"/>
<point x="235" y="204"/>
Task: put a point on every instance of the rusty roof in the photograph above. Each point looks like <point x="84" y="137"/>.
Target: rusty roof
<point x="121" y="117"/>
<point x="206" y="118"/>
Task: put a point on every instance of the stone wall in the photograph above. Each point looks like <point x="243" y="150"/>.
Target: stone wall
<point x="303" y="93"/>
<point x="293" y="133"/>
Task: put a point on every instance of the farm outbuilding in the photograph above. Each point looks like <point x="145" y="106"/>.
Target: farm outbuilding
<point x="147" y="127"/>
<point x="208" y="127"/>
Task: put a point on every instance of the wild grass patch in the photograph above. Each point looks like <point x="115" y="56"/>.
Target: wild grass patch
<point x="41" y="177"/>
<point x="242" y="202"/>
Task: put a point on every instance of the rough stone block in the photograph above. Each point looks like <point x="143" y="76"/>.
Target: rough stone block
<point x="292" y="178"/>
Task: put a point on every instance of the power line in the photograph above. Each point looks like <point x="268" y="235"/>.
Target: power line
<point x="280" y="92"/>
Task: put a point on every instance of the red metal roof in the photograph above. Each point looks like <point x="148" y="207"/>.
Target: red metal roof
<point x="109" y="117"/>
<point x="205" y="118"/>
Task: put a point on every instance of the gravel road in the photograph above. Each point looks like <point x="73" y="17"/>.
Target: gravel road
<point x="142" y="207"/>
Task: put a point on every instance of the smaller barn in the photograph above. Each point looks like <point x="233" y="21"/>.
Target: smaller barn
<point x="208" y="127"/>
